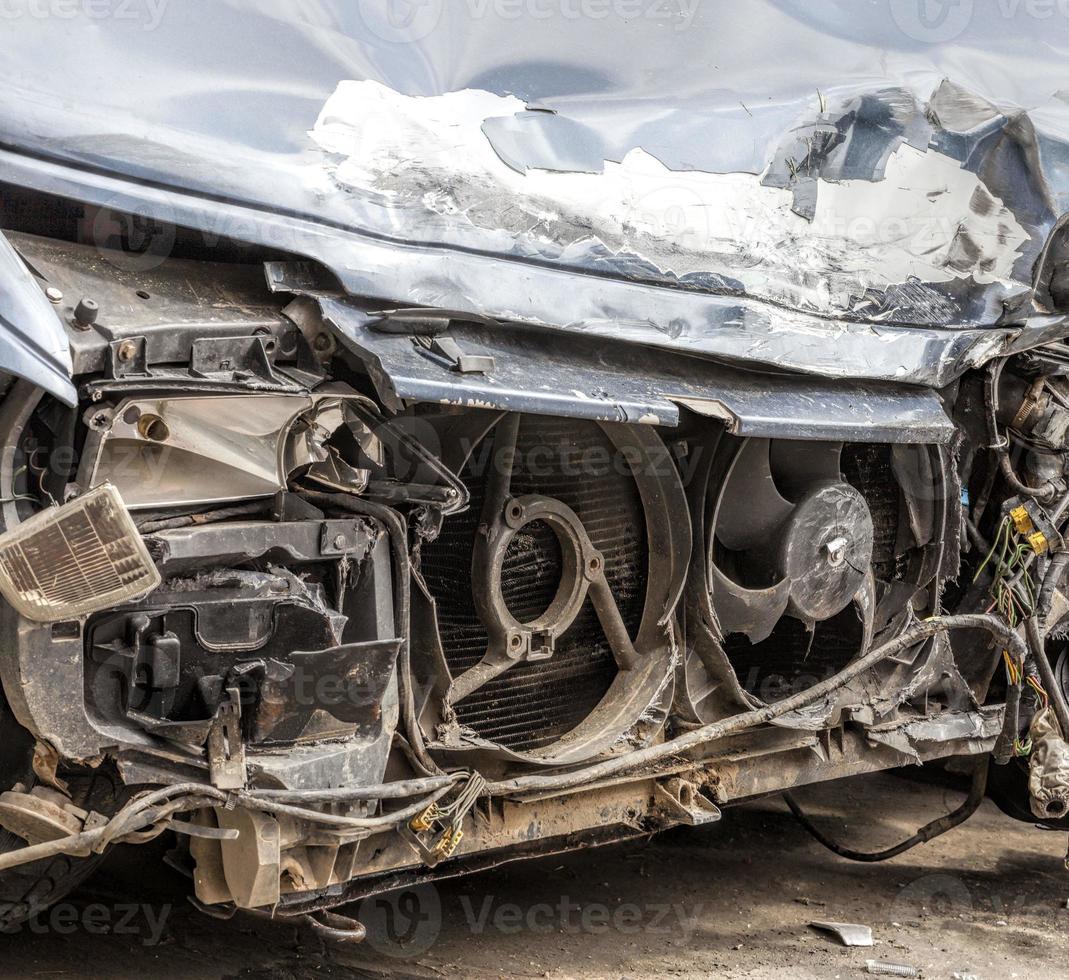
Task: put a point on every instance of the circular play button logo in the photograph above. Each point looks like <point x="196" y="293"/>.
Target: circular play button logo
<point x="404" y="923"/>
<point x="401" y="21"/>
<point x="932" y="21"/>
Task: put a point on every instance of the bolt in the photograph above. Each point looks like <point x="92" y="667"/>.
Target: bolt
<point x="836" y="551"/>
<point x="127" y="351"/>
<point x="322" y="343"/>
<point x="339" y="542"/>
<point x="54" y="295"/>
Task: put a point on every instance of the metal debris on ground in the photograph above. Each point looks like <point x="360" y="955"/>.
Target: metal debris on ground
<point x="848" y="933"/>
<point x="891" y="969"/>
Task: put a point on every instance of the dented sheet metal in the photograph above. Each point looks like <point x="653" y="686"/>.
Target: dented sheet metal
<point x="530" y="371"/>
<point x="855" y="239"/>
<point x="840" y="189"/>
<point x="910" y="736"/>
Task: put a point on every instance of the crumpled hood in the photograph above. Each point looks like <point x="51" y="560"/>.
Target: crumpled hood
<point x="845" y="218"/>
<point x="898" y="162"/>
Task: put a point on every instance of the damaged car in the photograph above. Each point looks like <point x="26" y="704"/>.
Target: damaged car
<point x="431" y="443"/>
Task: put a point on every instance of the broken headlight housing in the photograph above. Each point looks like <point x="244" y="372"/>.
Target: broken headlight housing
<point x="73" y="560"/>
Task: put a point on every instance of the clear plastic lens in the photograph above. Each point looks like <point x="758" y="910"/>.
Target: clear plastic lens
<point x="77" y="559"/>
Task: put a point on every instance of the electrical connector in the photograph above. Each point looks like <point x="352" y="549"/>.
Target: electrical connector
<point x="1022" y="520"/>
<point x="1038" y="542"/>
<point x="448" y="842"/>
<point x="424" y="821"/>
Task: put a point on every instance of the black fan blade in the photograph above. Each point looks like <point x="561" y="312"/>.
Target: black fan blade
<point x="798" y="466"/>
<point x="865" y="601"/>
<point x="750" y="507"/>
<point x="753" y="612"/>
<point x="701" y="685"/>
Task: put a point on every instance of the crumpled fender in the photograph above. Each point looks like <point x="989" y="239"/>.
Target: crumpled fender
<point x="33" y="342"/>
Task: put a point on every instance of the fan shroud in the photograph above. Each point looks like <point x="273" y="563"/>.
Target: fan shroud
<point x="783" y="593"/>
<point x="529" y="674"/>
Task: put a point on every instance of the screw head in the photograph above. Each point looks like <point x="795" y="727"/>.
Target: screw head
<point x="54" y="294"/>
<point x="339" y="542"/>
<point x="515" y="645"/>
<point x="127" y="351"/>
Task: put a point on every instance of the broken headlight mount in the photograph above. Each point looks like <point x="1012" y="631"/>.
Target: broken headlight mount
<point x="185" y="451"/>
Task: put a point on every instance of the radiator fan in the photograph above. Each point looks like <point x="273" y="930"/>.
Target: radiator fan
<point x="806" y="552"/>
<point x="552" y="591"/>
<point x="789" y="536"/>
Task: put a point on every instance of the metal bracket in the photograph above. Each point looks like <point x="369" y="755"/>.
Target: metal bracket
<point x="447" y="348"/>
<point x="128" y="357"/>
<point x="234" y="358"/>
<point x="342" y="537"/>
<point x="301" y="279"/>
<point x="226" y="750"/>
<point x="684" y="803"/>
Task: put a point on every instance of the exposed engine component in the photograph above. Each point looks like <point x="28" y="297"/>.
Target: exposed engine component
<point x="186" y="451"/>
<point x="809" y="549"/>
<point x="1048" y="782"/>
<point x="552" y="607"/>
<point x="273" y="636"/>
<point x="1033" y="399"/>
<point x="798" y="509"/>
<point x="407" y="609"/>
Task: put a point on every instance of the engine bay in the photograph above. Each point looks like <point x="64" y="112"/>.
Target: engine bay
<point x="398" y="600"/>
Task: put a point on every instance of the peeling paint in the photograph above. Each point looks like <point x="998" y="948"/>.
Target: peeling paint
<point x="927" y="220"/>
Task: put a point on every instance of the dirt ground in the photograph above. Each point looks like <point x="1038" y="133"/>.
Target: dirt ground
<point x="733" y="899"/>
